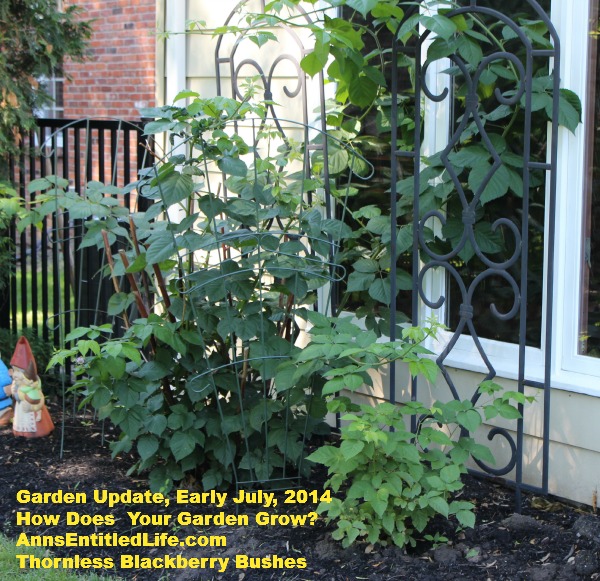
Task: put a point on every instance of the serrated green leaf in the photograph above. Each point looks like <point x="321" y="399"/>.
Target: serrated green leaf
<point x="162" y="247"/>
<point x="440" y="25"/>
<point x="147" y="446"/>
<point x="362" y="6"/>
<point x="326" y="455"/>
<point x="569" y="110"/>
<point x="351" y="448"/>
<point x="119" y="302"/>
<point x="362" y="91"/>
<point x="381" y="291"/>
<point x="497" y="185"/>
<point x="156" y="424"/>
<point x="439" y="505"/>
<point x="233" y="166"/>
<point x="315" y="61"/>
<point x="182" y="444"/>
<point x="469" y="419"/>
<point x="466" y="518"/>
<point x="450" y="473"/>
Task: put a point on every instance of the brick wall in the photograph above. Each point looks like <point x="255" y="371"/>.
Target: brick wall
<point x="119" y="76"/>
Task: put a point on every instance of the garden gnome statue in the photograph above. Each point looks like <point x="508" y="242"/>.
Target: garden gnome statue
<point x="6" y="411"/>
<point x="31" y="418"/>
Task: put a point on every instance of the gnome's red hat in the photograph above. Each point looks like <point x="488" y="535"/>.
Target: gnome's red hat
<point x="23" y="358"/>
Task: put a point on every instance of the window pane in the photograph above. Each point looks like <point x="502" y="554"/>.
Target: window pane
<point x="507" y="129"/>
<point x="589" y="330"/>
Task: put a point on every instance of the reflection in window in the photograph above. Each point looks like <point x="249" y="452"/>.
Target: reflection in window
<point x="590" y="268"/>
<point x="507" y="129"/>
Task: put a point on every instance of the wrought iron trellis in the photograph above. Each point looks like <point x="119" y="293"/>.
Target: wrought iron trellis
<point x="426" y="259"/>
<point x="280" y="80"/>
<point x="234" y="62"/>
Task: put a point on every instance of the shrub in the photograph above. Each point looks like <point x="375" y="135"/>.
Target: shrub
<point x="217" y="288"/>
<point x="393" y="481"/>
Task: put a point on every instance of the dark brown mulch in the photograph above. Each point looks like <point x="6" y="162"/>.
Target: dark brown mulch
<point x="549" y="541"/>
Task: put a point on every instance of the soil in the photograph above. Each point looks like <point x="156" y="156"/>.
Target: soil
<point x="548" y="541"/>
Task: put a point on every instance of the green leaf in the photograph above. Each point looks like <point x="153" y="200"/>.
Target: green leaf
<point x="338" y="159"/>
<point x="132" y="422"/>
<point x="233" y="166"/>
<point x="379" y="506"/>
<point x="470" y="156"/>
<point x="362" y="91"/>
<point x="470" y="50"/>
<point x="101" y="397"/>
<point x="156" y="424"/>
<point x="362" y="6"/>
<point x="470" y="419"/>
<point x="175" y="187"/>
<point x="119" y="302"/>
<point x="366" y="265"/>
<point x="116" y="367"/>
<point x="507" y="411"/>
<point x="440" y="25"/>
<point x="147" y="446"/>
<point x="482" y="453"/>
<point x="154" y="127"/>
<point x="153" y="370"/>
<point x="439" y="505"/>
<point x="351" y="448"/>
<point x="419" y="520"/>
<point x="381" y="291"/>
<point x="358" y="281"/>
<point x="333" y="386"/>
<point x="162" y="246"/>
<point x="326" y="455"/>
<point x="315" y="61"/>
<point x="569" y="110"/>
<point x="409" y="26"/>
<point x="182" y="444"/>
<point x="450" y="473"/>
<point x="466" y="518"/>
<point x="138" y="264"/>
<point x="262" y="38"/>
<point x="361" y="489"/>
<point x="497" y="185"/>
<point x="159" y="480"/>
<point x="441" y="48"/>
<point x="185" y="95"/>
<point x="285" y="378"/>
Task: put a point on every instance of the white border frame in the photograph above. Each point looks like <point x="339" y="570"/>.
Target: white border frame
<point x="570" y="370"/>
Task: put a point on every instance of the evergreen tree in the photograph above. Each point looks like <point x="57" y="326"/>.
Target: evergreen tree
<point x="35" y="38"/>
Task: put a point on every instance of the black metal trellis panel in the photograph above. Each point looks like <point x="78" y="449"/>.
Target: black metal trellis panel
<point x="56" y="278"/>
<point x="280" y="91"/>
<point x="290" y="99"/>
<point x="426" y="259"/>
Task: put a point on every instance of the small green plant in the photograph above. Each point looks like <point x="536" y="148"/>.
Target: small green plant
<point x="393" y="481"/>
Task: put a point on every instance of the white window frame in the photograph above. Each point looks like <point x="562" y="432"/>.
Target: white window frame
<point x="569" y="370"/>
<point x="51" y="110"/>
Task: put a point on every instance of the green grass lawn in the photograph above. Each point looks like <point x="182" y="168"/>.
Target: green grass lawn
<point x="9" y="567"/>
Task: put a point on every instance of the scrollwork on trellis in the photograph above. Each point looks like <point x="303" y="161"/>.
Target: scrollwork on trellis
<point x="511" y="265"/>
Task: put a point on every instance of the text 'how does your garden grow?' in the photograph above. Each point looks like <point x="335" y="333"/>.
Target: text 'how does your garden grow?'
<point x="91" y="520"/>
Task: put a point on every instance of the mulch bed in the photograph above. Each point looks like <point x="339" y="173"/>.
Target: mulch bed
<point x="548" y="541"/>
